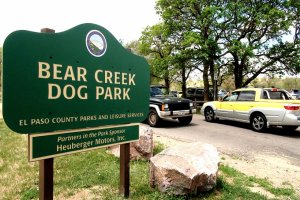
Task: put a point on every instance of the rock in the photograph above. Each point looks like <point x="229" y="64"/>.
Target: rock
<point x="141" y="149"/>
<point x="185" y="169"/>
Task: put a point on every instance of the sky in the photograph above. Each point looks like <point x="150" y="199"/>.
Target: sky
<point x="125" y="19"/>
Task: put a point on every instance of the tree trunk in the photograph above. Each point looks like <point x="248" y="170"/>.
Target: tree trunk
<point x="205" y="80"/>
<point x="238" y="76"/>
<point x="183" y="86"/>
<point x="167" y="84"/>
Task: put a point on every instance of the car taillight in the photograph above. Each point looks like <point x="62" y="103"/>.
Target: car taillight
<point x="292" y="107"/>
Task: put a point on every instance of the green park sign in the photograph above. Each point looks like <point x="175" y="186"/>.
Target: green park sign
<point x="79" y="78"/>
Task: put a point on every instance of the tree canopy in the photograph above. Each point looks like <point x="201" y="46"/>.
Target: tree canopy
<point x="244" y="38"/>
<point x="155" y="43"/>
<point x="241" y="39"/>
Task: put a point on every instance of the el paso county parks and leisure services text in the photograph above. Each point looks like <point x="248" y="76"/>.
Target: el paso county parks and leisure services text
<point x="57" y="120"/>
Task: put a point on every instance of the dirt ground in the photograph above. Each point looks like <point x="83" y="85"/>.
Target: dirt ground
<point x="280" y="171"/>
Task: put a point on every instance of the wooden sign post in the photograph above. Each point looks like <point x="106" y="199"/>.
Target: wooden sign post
<point x="46" y="172"/>
<point x="124" y="169"/>
<point x="46" y="179"/>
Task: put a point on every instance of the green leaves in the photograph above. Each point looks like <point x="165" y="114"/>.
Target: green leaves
<point x="239" y="33"/>
<point x="235" y="38"/>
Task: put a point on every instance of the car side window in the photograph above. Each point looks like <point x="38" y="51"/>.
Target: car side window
<point x="246" y="96"/>
<point x="234" y="96"/>
<point x="231" y="97"/>
<point x="190" y="90"/>
<point x="278" y="95"/>
<point x="226" y="98"/>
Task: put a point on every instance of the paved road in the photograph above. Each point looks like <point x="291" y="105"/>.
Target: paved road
<point x="235" y="138"/>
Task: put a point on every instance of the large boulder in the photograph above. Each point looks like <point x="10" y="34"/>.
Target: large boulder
<point x="141" y="149"/>
<point x="185" y="169"/>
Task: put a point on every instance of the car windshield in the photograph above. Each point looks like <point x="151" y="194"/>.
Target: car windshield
<point x="191" y="90"/>
<point x="157" y="91"/>
<point x="199" y="91"/>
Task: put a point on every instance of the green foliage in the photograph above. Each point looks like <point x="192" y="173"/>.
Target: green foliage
<point x="244" y="182"/>
<point x="240" y="38"/>
<point x="155" y="45"/>
<point x="30" y="193"/>
<point x="15" y="171"/>
<point x="278" y="82"/>
<point x="274" y="190"/>
<point x="158" y="147"/>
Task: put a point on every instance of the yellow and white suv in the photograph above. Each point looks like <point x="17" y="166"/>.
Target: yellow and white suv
<point x="260" y="107"/>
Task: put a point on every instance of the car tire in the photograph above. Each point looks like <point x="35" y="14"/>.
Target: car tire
<point x="209" y="114"/>
<point x="290" y="128"/>
<point x="185" y="120"/>
<point x="153" y="118"/>
<point x="258" y="122"/>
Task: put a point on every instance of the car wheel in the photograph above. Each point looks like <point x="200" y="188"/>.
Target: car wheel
<point x="185" y="120"/>
<point x="209" y="114"/>
<point x="258" y="122"/>
<point x="290" y="128"/>
<point x="153" y="118"/>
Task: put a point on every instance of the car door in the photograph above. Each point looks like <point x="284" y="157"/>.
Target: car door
<point x="244" y="103"/>
<point x="190" y="94"/>
<point x="199" y="94"/>
<point x="225" y="109"/>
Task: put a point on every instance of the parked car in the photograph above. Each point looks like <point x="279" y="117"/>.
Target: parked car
<point x="260" y="107"/>
<point x="295" y="93"/>
<point x="197" y="94"/>
<point x="174" y="93"/>
<point x="179" y="93"/>
<point x="165" y="106"/>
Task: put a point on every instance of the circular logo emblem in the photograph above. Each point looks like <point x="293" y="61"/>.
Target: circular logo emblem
<point x="96" y="43"/>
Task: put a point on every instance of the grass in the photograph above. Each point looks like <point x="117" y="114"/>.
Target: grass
<point x="96" y="174"/>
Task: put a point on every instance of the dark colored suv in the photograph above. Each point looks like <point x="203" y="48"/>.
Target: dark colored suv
<point x="163" y="106"/>
<point x="197" y="94"/>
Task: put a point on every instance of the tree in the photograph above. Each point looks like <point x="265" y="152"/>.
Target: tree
<point x="155" y="45"/>
<point x="254" y="39"/>
<point x="197" y="22"/>
<point x="183" y="65"/>
<point x="244" y="38"/>
<point x="169" y="59"/>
